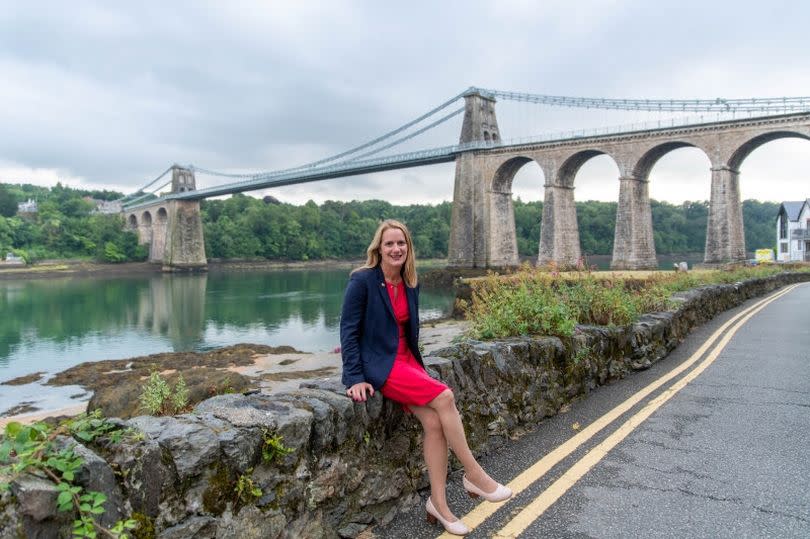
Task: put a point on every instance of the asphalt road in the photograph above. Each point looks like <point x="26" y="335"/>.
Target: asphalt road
<point x="718" y="450"/>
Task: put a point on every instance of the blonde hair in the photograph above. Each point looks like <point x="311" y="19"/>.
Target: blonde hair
<point x="373" y="255"/>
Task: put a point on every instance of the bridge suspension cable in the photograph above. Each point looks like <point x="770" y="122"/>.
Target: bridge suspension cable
<point x="356" y="149"/>
<point x="719" y="104"/>
<point x="412" y="135"/>
<point x="145" y="187"/>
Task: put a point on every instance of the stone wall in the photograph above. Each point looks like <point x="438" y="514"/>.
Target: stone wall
<point x="349" y="465"/>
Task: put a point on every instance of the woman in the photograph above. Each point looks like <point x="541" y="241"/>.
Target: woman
<point x="379" y="335"/>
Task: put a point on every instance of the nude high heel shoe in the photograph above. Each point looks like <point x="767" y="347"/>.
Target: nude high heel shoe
<point x="433" y="516"/>
<point x="500" y="493"/>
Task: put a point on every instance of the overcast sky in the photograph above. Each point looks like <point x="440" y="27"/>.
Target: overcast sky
<point x="109" y="94"/>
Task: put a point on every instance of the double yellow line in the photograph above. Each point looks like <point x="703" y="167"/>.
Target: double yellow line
<point x="535" y="509"/>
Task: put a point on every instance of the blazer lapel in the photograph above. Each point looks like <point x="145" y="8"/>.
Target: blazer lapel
<point x="384" y="291"/>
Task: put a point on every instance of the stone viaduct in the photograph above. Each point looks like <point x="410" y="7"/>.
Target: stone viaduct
<point x="482" y="233"/>
<point x="483" y="229"/>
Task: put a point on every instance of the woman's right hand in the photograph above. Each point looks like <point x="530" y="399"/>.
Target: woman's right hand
<point x="358" y="391"/>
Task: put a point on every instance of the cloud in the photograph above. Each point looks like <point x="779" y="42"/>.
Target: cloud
<point x="110" y="94"/>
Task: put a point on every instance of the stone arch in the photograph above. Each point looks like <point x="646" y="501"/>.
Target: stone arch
<point x="642" y="168"/>
<point x="162" y="215"/>
<point x="486" y="136"/>
<point x="568" y="171"/>
<point x="505" y="174"/>
<point x="745" y="149"/>
<point x="502" y="248"/>
<point x="146" y="218"/>
<point x="133" y="221"/>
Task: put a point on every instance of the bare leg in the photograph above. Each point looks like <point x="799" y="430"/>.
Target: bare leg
<point x="435" y="448"/>
<point x="445" y="406"/>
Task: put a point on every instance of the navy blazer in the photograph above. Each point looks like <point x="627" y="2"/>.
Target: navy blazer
<point x="369" y="334"/>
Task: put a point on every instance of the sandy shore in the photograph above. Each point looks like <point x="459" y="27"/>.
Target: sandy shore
<point x="39" y="415"/>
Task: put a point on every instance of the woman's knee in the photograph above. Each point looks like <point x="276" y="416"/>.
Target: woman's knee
<point x="444" y="400"/>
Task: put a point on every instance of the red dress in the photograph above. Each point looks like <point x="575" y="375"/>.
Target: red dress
<point x="408" y="383"/>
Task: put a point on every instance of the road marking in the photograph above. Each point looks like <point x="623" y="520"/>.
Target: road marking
<point x="536" y="508"/>
<point x="485" y="510"/>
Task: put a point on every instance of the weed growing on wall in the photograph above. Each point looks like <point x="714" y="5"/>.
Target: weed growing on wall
<point x="33" y="450"/>
<point x="273" y="447"/>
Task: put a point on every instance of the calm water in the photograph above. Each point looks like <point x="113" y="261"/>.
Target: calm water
<point x="49" y="325"/>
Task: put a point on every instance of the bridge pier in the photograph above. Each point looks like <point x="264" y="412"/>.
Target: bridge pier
<point x="725" y="239"/>
<point x="559" y="234"/>
<point x="185" y="247"/>
<point x="633" y="240"/>
<point x="482" y="230"/>
<point x="466" y="247"/>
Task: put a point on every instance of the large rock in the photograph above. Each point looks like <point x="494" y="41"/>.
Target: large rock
<point x="36" y="497"/>
<point x="144" y="474"/>
<point x="192" y="445"/>
<point x="96" y="475"/>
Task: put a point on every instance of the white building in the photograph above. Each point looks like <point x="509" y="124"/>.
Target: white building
<point x="29" y="206"/>
<point x="103" y="206"/>
<point x="793" y="231"/>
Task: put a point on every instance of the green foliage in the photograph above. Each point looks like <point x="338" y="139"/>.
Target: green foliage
<point x="32" y="449"/>
<point x="247" y="227"/>
<point x="112" y="253"/>
<point x="8" y="202"/>
<point x="534" y="302"/>
<point x="246" y="490"/>
<point x="759" y="219"/>
<point x="273" y="447"/>
<point x="159" y="398"/>
<point x="64" y="226"/>
<point x="523" y="304"/>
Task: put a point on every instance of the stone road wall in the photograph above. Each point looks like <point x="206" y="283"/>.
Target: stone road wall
<point x="349" y="465"/>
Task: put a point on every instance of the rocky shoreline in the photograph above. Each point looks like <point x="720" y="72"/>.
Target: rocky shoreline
<point x="115" y="385"/>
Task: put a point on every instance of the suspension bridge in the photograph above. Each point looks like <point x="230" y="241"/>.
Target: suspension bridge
<point x="483" y="230"/>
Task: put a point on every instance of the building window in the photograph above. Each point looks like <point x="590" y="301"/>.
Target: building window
<point x="799" y="245"/>
<point x="783" y="247"/>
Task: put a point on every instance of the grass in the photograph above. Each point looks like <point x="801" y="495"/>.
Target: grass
<point x="535" y="302"/>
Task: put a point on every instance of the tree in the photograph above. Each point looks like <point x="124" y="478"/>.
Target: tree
<point x="8" y="202"/>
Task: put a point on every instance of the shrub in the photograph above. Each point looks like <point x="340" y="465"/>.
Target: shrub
<point x="531" y="302"/>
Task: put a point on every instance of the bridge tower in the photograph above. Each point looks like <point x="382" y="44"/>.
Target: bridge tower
<point x="482" y="231"/>
<point x="184" y="243"/>
<point x="183" y="179"/>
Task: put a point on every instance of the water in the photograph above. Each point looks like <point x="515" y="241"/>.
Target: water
<point x="50" y="325"/>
